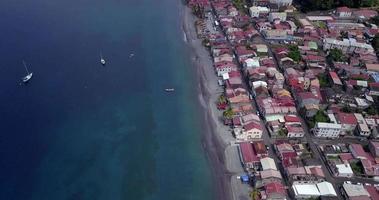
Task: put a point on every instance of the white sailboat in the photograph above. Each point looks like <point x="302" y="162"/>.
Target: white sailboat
<point x="102" y="60"/>
<point x="28" y="76"/>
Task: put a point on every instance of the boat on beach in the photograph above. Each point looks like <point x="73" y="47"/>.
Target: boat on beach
<point x="169" y="89"/>
<point x="28" y="76"/>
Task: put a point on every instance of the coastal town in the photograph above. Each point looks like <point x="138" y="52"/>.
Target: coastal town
<point x="300" y="97"/>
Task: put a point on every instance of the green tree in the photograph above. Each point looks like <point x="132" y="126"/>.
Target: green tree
<point x="229" y="113"/>
<point x="371" y="110"/>
<point x="294" y="53"/>
<point x="347" y="109"/>
<point x="222" y="99"/>
<point x="324" y="4"/>
<point x="254" y="194"/>
<point x="323" y="80"/>
<point x="375" y="20"/>
<point x="369" y="3"/>
<point x="375" y="42"/>
<point x="282" y="132"/>
<point x="239" y="4"/>
<point x="348" y="3"/>
<point x="321" y="117"/>
<point x="357" y="167"/>
<point x="336" y="55"/>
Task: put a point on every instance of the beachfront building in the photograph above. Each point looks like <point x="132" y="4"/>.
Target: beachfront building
<point x="225" y="67"/>
<point x="327" y="130"/>
<point x="249" y="158"/>
<point x="250" y="131"/>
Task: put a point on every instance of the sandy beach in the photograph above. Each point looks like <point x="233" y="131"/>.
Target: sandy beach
<point x="217" y="138"/>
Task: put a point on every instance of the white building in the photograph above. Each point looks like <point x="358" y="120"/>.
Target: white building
<point x="326" y="189"/>
<point x="327" y="130"/>
<point x="252" y="130"/>
<point x="268" y="163"/>
<point x="355" y="191"/>
<point x="347" y="45"/>
<point x="343" y="12"/>
<point x="344" y="170"/>
<point x="255" y="11"/>
<point x="362" y="129"/>
<point x="275" y="34"/>
<point x="282" y="16"/>
<point x="282" y="2"/>
<point x="305" y="191"/>
<point x="251" y="62"/>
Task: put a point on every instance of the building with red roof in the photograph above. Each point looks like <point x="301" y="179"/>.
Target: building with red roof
<point x="366" y="14"/>
<point x="373" y="191"/>
<point x="358" y="151"/>
<point x="346" y="156"/>
<point x="260" y="148"/>
<point x="307" y="98"/>
<point x="347" y="120"/>
<point x="336" y="80"/>
<point x="251" y="130"/>
<point x="343" y="12"/>
<point x="285" y="150"/>
<point x="275" y="190"/>
<point x="292" y="119"/>
<point x="374" y="148"/>
<point x="248" y="155"/>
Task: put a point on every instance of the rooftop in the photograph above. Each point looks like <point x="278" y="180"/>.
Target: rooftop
<point x="343" y="9"/>
<point x="268" y="163"/>
<point x="326" y="189"/>
<point x="305" y="189"/>
<point x="248" y="153"/>
<point x="328" y="125"/>
<point x="344" y="169"/>
<point x="346" y="118"/>
<point x="275" y="187"/>
<point x="355" y="190"/>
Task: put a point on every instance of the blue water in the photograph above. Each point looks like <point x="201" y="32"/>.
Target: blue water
<point x="79" y="130"/>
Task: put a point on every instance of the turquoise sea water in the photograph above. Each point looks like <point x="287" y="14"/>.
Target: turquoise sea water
<point x="83" y="131"/>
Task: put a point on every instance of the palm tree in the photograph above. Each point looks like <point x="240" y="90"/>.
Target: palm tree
<point x="229" y="113"/>
<point x="222" y="99"/>
<point x="254" y="194"/>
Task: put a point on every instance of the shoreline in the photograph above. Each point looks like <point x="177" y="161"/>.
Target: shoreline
<point x="216" y="137"/>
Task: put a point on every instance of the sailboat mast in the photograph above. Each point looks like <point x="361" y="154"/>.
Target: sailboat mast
<point x="26" y="68"/>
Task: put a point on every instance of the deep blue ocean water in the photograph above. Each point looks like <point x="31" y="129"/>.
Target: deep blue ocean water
<point x="79" y="130"/>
